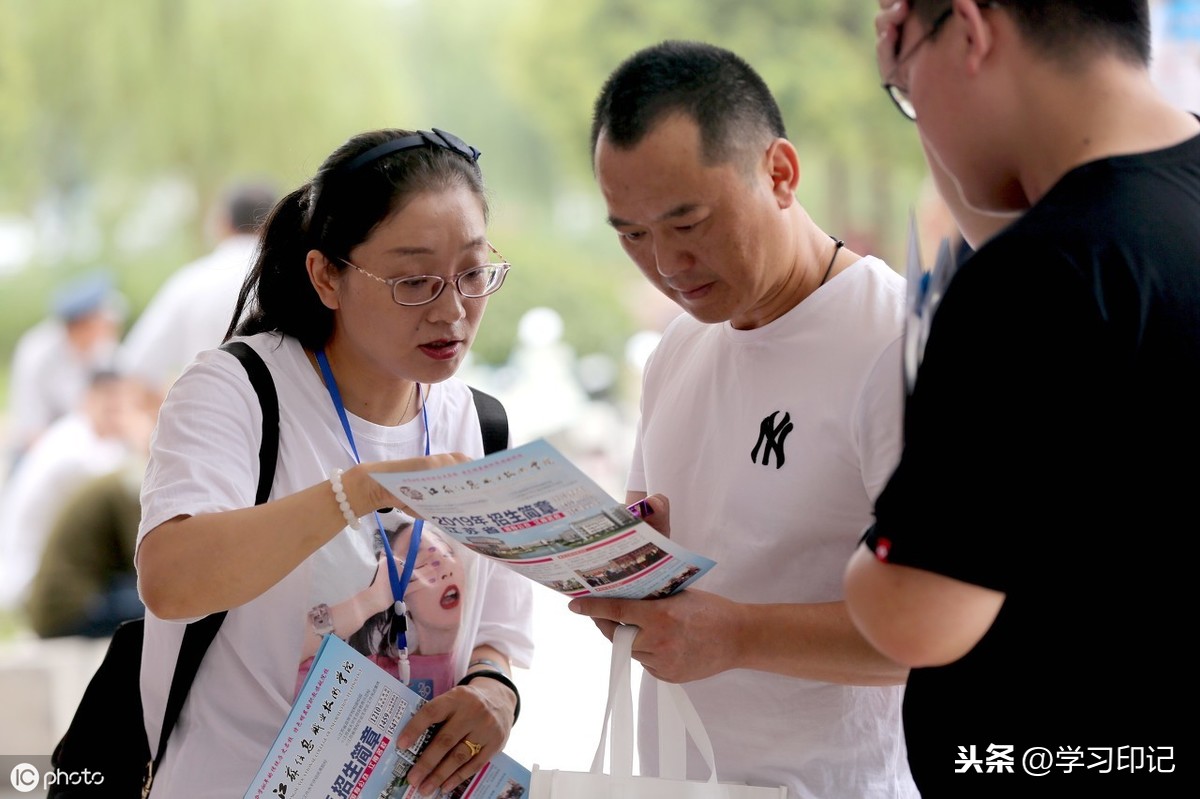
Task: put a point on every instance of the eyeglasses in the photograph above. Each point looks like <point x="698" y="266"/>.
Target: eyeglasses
<point x="423" y="289"/>
<point x="899" y="94"/>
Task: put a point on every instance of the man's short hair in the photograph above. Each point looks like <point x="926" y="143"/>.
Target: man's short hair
<point x="1067" y="30"/>
<point x="728" y="100"/>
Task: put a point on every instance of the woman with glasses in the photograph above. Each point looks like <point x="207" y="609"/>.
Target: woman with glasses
<point x="369" y="285"/>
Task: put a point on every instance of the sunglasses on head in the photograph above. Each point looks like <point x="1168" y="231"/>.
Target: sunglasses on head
<point x="422" y="138"/>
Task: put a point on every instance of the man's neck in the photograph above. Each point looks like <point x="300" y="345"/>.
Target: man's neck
<point x="1109" y="109"/>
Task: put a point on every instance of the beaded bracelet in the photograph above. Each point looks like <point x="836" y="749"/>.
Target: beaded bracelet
<point x="339" y="493"/>
<point x="499" y="677"/>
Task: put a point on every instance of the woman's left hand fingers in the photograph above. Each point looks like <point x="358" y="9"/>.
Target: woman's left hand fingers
<point x="468" y="735"/>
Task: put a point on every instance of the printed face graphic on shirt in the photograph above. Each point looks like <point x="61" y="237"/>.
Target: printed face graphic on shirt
<point x="434" y="597"/>
<point x="434" y="600"/>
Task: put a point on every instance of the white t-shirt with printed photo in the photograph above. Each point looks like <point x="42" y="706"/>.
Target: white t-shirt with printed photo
<point x="204" y="459"/>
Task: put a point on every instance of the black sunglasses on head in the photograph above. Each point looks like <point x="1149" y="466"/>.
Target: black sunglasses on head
<point x="422" y="138"/>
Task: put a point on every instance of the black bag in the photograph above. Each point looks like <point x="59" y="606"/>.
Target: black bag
<point x="113" y="695"/>
<point x="107" y="735"/>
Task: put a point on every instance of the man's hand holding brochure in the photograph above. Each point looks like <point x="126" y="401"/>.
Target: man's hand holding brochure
<point x="536" y="512"/>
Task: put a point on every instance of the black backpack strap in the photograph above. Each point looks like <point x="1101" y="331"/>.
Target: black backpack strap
<point x="200" y="634"/>
<point x="493" y="421"/>
<point x="268" y="400"/>
<point x="196" y="640"/>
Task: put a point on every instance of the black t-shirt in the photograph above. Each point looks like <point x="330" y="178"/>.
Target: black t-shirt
<point x="1052" y="451"/>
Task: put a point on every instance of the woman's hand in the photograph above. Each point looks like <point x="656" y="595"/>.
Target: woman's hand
<point x="366" y="494"/>
<point x="473" y="722"/>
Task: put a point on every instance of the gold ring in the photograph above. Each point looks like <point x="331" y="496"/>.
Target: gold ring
<point x="474" y="747"/>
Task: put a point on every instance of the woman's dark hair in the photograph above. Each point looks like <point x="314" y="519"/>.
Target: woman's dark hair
<point x="361" y="184"/>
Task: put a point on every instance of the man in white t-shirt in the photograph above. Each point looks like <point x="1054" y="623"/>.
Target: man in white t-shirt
<point x="54" y="360"/>
<point x="192" y="310"/>
<point x="770" y="419"/>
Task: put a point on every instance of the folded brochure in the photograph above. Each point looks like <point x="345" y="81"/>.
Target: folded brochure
<point x="339" y="740"/>
<point x="530" y="508"/>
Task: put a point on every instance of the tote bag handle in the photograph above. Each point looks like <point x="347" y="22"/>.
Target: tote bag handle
<point x="677" y="719"/>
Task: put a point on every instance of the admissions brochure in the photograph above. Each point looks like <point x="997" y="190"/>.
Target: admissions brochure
<point x="536" y="512"/>
<point x="339" y="740"/>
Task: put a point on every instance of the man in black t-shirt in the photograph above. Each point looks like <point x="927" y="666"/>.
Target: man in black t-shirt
<point x="1025" y="559"/>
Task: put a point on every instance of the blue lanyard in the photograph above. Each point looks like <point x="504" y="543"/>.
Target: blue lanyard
<point x="399" y="581"/>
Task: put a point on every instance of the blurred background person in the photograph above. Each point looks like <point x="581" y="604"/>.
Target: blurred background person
<point x="538" y="384"/>
<point x="53" y="360"/>
<point x="85" y="583"/>
<point x="112" y="423"/>
<point x="191" y="311"/>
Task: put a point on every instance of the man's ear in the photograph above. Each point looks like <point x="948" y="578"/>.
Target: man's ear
<point x="783" y="167"/>
<point x="325" y="278"/>
<point x="980" y="31"/>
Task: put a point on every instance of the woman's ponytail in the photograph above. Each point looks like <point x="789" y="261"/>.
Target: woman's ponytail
<point x="277" y="295"/>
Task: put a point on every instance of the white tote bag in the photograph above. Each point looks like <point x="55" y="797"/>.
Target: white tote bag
<point x="677" y="719"/>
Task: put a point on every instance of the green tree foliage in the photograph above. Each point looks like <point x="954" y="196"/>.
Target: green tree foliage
<point x="816" y="56"/>
<point x="101" y="100"/>
<point x="100" y="90"/>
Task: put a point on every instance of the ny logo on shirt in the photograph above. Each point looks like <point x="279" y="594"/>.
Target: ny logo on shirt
<point x="770" y="439"/>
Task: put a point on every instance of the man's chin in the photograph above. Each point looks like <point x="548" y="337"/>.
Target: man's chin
<point x="703" y="309"/>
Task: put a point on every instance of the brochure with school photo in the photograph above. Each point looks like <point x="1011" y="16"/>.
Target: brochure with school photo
<point x="339" y="739"/>
<point x="533" y="510"/>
